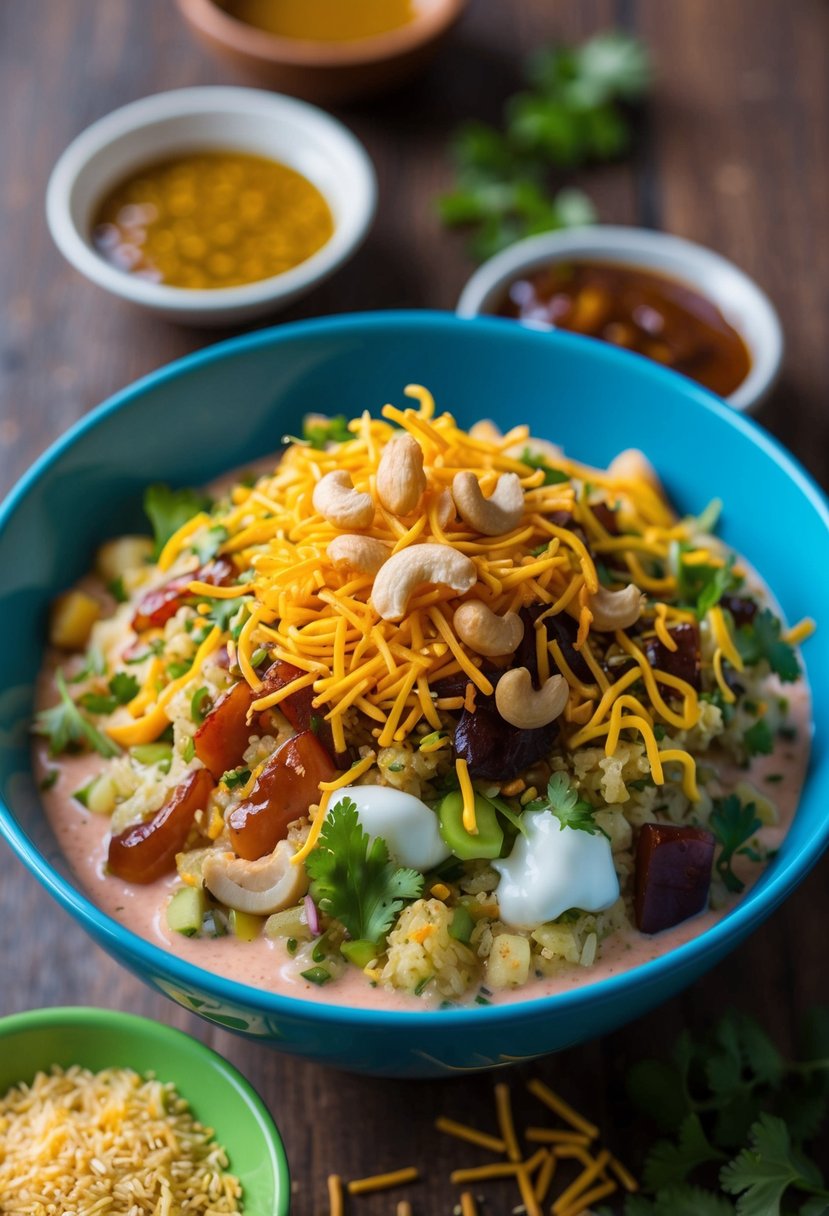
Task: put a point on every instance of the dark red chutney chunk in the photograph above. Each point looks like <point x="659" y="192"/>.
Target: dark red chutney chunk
<point x="673" y="875"/>
<point x="684" y="662"/>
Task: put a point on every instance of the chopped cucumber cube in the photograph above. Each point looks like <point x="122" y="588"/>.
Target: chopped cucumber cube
<point x="185" y="911"/>
<point x="245" y="925"/>
<point x="360" y="952"/>
<point x="490" y="835"/>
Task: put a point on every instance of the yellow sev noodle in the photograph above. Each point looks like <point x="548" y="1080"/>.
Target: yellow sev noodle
<point x="321" y="619"/>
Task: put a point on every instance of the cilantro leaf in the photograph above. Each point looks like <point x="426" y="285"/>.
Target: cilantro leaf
<point x="122" y="688"/>
<point x="760" y="639"/>
<point x="552" y="477"/>
<point x="209" y="545"/>
<point x="655" y="1089"/>
<point x="758" y="739"/>
<point x="733" y="823"/>
<point x="94" y="665"/>
<point x="319" y="431"/>
<point x="668" y="1164"/>
<point x="701" y="585"/>
<point x="168" y="509"/>
<point x="762" y="1173"/>
<point x="353" y="880"/>
<point x="570" y="810"/>
<point x="67" y="728"/>
<point x="679" y="1201"/>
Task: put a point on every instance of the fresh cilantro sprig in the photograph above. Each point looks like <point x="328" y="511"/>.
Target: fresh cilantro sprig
<point x="353" y="880"/>
<point x="739" y="1116"/>
<point x="570" y="810"/>
<point x="167" y="510"/>
<point x="552" y="477"/>
<point x="68" y="728"/>
<point x="318" y="431"/>
<point x="701" y="585"/>
<point x="208" y="546"/>
<point x="573" y="113"/>
<point x="122" y="688"/>
<point x="733" y="823"/>
<point x="760" y="639"/>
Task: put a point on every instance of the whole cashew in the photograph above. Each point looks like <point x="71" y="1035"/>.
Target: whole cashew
<point x="400" y="477"/>
<point x="259" y="887"/>
<point x="485" y="429"/>
<point x="633" y="465"/>
<point x="354" y="552"/>
<point x="526" y="707"/>
<point x="335" y="497"/>
<point x="485" y="632"/>
<point x="616" y="609"/>
<point x="434" y="564"/>
<point x="490" y="516"/>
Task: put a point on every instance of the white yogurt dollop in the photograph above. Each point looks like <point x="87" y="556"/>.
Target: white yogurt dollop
<point x="408" y="826"/>
<point x="554" y="868"/>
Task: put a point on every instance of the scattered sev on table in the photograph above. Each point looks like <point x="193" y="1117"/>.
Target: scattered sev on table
<point x="111" y="1143"/>
<point x="601" y="1173"/>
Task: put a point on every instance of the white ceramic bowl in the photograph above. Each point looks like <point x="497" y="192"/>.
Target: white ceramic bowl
<point x="188" y="120"/>
<point x="738" y="297"/>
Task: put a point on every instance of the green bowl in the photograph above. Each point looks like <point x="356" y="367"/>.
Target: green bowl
<point x="219" y="1096"/>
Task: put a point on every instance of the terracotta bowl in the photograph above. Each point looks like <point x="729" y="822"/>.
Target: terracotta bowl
<point x="324" y="71"/>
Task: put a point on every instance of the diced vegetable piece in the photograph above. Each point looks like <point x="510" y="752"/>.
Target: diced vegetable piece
<point x="558" y="940"/>
<point x="508" y="965"/>
<point x="153" y="753"/>
<point x="290" y="922"/>
<point x="673" y="874"/>
<point x="125" y="553"/>
<point x="245" y="925"/>
<point x="159" y="605"/>
<point x="282" y="792"/>
<point x="298" y="708"/>
<point x="495" y="750"/>
<point x="490" y="837"/>
<point x="185" y="911"/>
<point x="684" y="662"/>
<point x="360" y="953"/>
<point x="148" y="850"/>
<point x="100" y="795"/>
<point x="72" y="618"/>
<point x="462" y="925"/>
<point x="223" y="736"/>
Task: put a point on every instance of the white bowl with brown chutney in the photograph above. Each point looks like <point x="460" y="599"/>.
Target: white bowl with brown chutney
<point x="660" y="296"/>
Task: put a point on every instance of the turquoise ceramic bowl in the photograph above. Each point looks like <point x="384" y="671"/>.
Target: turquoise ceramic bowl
<point x="219" y="1096"/>
<point x="224" y="406"/>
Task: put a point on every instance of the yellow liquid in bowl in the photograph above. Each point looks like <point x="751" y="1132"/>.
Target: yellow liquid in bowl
<point x="209" y="220"/>
<point x="323" y="20"/>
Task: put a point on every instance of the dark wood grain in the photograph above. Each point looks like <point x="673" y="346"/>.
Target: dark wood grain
<point x="734" y="153"/>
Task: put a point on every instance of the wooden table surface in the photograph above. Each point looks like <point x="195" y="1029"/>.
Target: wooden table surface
<point x="734" y="153"/>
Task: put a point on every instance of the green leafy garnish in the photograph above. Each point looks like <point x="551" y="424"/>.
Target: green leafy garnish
<point x="199" y="705"/>
<point x="701" y="585"/>
<point x="733" y="823"/>
<point x="94" y="665"/>
<point x="318" y="432"/>
<point x="168" y="509"/>
<point x="572" y="114"/>
<point x="67" y="727"/>
<point x="208" y="546"/>
<point x="122" y="688"/>
<point x="50" y="779"/>
<point x="760" y="639"/>
<point x="117" y="591"/>
<point x="763" y="1172"/>
<point x="353" y="880"/>
<point x="188" y="750"/>
<point x="552" y="477"/>
<point x="570" y="810"/>
<point x="758" y="739"/>
<point x="317" y="975"/>
<point x="235" y="777"/>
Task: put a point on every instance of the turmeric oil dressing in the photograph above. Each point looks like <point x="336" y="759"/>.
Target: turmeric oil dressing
<point x="323" y="20"/>
<point x="211" y="220"/>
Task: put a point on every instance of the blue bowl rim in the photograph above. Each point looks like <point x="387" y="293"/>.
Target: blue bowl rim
<point x="748" y="913"/>
<point x="87" y="1017"/>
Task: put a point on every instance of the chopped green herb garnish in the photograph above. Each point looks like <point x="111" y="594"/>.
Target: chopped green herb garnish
<point x="701" y="585"/>
<point x="67" y="728"/>
<point x="210" y="543"/>
<point x="552" y="477"/>
<point x="259" y="656"/>
<point x="570" y="810"/>
<point x="199" y="705"/>
<point x="733" y="823"/>
<point x="659" y="731"/>
<point x="82" y="795"/>
<point x="421" y="985"/>
<point x="758" y="739"/>
<point x="317" y="975"/>
<point x="50" y="779"/>
<point x="318" y="432"/>
<point x="482" y="1000"/>
<point x="235" y="777"/>
<point x="315" y="723"/>
<point x="154" y="753"/>
<point x="94" y="665"/>
<point x="179" y="668"/>
<point x="353" y="880"/>
<point x="188" y="750"/>
<point x="122" y="688"/>
<point x="291" y="945"/>
<point x="397" y="767"/>
<point x="760" y="639"/>
<point x="773" y="778"/>
<point x="167" y="510"/>
<point x="117" y="591"/>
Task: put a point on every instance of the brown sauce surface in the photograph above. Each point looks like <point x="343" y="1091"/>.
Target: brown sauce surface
<point x="656" y="316"/>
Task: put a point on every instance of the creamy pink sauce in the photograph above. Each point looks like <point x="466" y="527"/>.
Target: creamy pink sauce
<point x="84" y="837"/>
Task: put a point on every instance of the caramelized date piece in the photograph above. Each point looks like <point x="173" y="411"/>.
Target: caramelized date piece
<point x="224" y="734"/>
<point x="157" y="606"/>
<point x="298" y="707"/>
<point x="673" y="875"/>
<point x="743" y="609"/>
<point x="684" y="662"/>
<point x="282" y="792"/>
<point x="148" y="851"/>
<point x="496" y="750"/>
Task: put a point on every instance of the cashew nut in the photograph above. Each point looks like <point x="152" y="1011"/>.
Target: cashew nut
<point x="354" y="552"/>
<point x="633" y="465"/>
<point x="526" y="707"/>
<point x="485" y="429"/>
<point x="335" y="497"/>
<point x="490" y="516"/>
<point x="400" y="477"/>
<point x="445" y="505"/>
<point x="260" y="887"/>
<point x="485" y="632"/>
<point x="434" y="564"/>
<point x="616" y="609"/>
